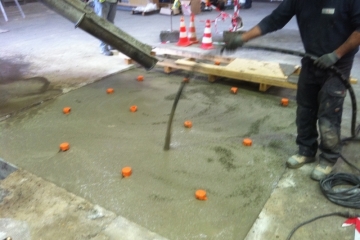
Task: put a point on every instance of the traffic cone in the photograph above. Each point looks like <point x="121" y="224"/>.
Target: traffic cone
<point x="183" y="39"/>
<point x="207" y="39"/>
<point x="192" y="32"/>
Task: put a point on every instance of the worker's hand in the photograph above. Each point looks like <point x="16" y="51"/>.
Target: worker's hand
<point x="234" y="43"/>
<point x="326" y="60"/>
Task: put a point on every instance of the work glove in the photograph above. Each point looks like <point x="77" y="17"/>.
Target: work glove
<point x="234" y="43"/>
<point x="326" y="60"/>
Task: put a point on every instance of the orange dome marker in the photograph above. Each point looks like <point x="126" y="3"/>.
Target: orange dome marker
<point x="201" y="194"/>
<point x="247" y="142"/>
<point x="140" y="78"/>
<point x="217" y="62"/>
<point x="64" y="146"/>
<point x="186" y="80"/>
<point x="188" y="124"/>
<point x="66" y="110"/>
<point x="126" y="171"/>
<point x="284" y="102"/>
<point x="110" y="90"/>
<point x="234" y="90"/>
<point x="133" y="108"/>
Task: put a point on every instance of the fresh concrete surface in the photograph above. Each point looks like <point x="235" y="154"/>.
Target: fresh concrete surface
<point x="32" y="208"/>
<point x="159" y="196"/>
<point x="105" y="136"/>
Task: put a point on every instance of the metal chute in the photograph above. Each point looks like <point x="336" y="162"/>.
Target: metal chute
<point x="84" y="18"/>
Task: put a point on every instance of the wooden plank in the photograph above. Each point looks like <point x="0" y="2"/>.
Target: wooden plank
<point x="222" y="71"/>
<point x="191" y="54"/>
<point x="128" y="61"/>
<point x="268" y="69"/>
<point x="263" y="87"/>
<point x="214" y="72"/>
<point x="168" y="69"/>
<point x="214" y="58"/>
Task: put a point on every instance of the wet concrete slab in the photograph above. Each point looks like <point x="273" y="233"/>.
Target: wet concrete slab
<point x="45" y="47"/>
<point x="32" y="208"/>
<point x="105" y="136"/>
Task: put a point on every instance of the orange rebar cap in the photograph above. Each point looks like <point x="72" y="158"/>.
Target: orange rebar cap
<point x="217" y="62"/>
<point x="64" y="146"/>
<point x="133" y="108"/>
<point x="140" y="78"/>
<point x="110" y="90"/>
<point x="247" y="142"/>
<point x="234" y="90"/>
<point x="126" y="171"/>
<point x="284" y="101"/>
<point x="200" y="194"/>
<point x="186" y="80"/>
<point x="66" y="110"/>
<point x="188" y="124"/>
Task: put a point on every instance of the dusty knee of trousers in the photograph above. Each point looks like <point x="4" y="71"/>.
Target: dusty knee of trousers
<point x="329" y="135"/>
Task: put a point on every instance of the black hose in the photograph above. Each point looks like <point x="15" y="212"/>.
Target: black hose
<point x="340" y="214"/>
<point x="168" y="130"/>
<point x="346" y="197"/>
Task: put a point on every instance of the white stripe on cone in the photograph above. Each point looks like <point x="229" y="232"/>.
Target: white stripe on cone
<point x="192" y="31"/>
<point x="207" y="39"/>
<point x="183" y="39"/>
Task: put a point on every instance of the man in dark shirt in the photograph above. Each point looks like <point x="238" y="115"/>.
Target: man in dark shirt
<point x="330" y="31"/>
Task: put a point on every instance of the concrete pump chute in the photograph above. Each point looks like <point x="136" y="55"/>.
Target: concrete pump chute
<point x="84" y="18"/>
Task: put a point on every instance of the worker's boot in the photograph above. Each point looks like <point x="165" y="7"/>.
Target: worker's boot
<point x="298" y="160"/>
<point x="321" y="170"/>
<point x="105" y="50"/>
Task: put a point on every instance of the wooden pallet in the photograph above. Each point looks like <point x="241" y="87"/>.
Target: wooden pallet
<point x="267" y="74"/>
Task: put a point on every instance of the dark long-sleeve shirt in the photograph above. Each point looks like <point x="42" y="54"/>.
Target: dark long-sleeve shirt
<point x="324" y="24"/>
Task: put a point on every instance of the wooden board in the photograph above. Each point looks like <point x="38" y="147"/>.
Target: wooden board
<point x="267" y="74"/>
<point x="268" y="69"/>
<point x="224" y="71"/>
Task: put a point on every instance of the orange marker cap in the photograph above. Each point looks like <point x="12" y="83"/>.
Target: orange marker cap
<point x="126" y="171"/>
<point x="110" y="90"/>
<point x="133" y="108"/>
<point x="64" y="146"/>
<point x="284" y="101"/>
<point x="234" y="90"/>
<point x="66" y="110"/>
<point x="188" y="124"/>
<point x="247" y="142"/>
<point x="140" y="78"/>
<point x="200" y="194"/>
<point x="186" y="80"/>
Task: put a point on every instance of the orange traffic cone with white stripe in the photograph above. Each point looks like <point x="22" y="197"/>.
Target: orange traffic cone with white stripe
<point x="207" y="39"/>
<point x="183" y="39"/>
<point x="192" y="32"/>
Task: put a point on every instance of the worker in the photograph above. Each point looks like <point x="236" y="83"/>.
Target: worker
<point x="246" y="5"/>
<point x="330" y="31"/>
<point x="107" y="10"/>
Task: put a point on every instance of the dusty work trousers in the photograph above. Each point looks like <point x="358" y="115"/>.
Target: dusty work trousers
<point x="107" y="11"/>
<point x="320" y="98"/>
